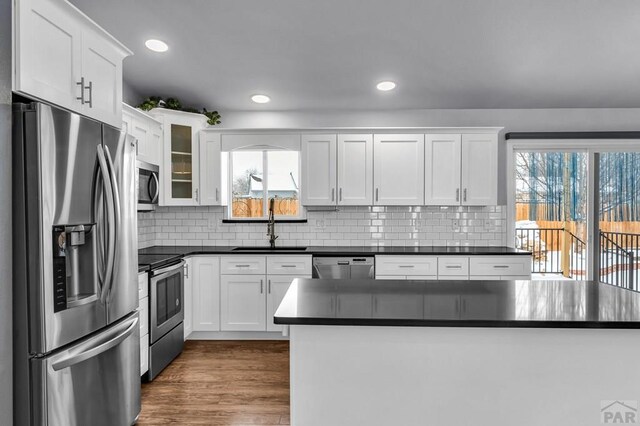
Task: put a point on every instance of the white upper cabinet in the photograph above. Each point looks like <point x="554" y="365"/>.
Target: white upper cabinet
<point x="147" y="131"/>
<point x="102" y="72"/>
<point x="461" y="169"/>
<point x="398" y="175"/>
<point x="210" y="169"/>
<point x="179" y="171"/>
<point x="355" y="170"/>
<point x="64" y="58"/>
<point x="442" y="170"/>
<point x="48" y="45"/>
<point x="318" y="170"/>
<point x="479" y="169"/>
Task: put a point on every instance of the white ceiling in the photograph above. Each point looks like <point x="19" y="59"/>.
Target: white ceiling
<point x="319" y="55"/>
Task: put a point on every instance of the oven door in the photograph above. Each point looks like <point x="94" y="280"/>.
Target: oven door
<point x="148" y="186"/>
<point x="166" y="301"/>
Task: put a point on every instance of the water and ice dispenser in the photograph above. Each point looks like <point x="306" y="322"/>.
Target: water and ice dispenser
<point x="75" y="281"/>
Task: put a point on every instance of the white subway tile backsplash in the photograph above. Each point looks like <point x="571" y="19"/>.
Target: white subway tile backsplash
<point x="350" y="226"/>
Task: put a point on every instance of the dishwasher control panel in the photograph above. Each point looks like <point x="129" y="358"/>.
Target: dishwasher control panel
<point x="341" y="267"/>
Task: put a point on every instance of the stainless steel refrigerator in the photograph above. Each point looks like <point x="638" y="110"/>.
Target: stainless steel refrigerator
<point x="76" y="332"/>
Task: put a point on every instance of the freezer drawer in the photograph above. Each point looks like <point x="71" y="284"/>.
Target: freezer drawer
<point x="68" y="390"/>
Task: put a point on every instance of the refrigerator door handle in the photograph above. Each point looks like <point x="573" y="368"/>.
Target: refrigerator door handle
<point x="96" y="345"/>
<point x="97" y="213"/>
<point x="115" y="225"/>
<point x="110" y="225"/>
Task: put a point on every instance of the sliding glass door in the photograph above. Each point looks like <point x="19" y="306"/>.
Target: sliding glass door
<point x="576" y="206"/>
<point x="619" y="218"/>
<point x="551" y="211"/>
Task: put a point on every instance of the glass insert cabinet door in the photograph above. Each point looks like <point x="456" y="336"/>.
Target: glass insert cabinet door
<point x="180" y="177"/>
<point x="182" y="183"/>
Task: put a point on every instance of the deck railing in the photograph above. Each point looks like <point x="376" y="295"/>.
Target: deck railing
<point x="618" y="254"/>
<point x="545" y="246"/>
<point x="618" y="260"/>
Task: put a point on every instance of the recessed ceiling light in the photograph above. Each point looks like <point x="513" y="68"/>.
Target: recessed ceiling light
<point x="156" y="45"/>
<point x="260" y="99"/>
<point x="386" y="86"/>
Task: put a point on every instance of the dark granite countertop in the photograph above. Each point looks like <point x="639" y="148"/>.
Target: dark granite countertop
<point x="539" y="304"/>
<point x="145" y="262"/>
<point x="355" y="250"/>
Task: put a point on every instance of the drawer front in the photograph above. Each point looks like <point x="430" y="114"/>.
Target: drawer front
<point x="453" y="266"/>
<point x="143" y="309"/>
<point x="143" y="285"/>
<point x="243" y="265"/>
<point x="407" y="265"/>
<point x="144" y="354"/>
<point x="500" y="265"/>
<point x="289" y="265"/>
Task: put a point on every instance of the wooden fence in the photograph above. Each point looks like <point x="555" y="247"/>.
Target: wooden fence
<point x="253" y="207"/>
<point x="579" y="229"/>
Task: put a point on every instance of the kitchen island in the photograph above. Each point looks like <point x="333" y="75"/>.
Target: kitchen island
<point x="371" y="352"/>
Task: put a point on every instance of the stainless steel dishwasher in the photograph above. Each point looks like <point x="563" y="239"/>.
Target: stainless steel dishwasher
<point x="343" y="267"/>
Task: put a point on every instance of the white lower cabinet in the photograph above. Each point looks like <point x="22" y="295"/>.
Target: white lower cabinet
<point x="143" y="316"/>
<point x="144" y="354"/>
<point x="453" y="267"/>
<point x="248" y="301"/>
<point x="502" y="266"/>
<point x="243" y="306"/>
<point x="277" y="286"/>
<point x="205" y="280"/>
<point x="188" y="297"/>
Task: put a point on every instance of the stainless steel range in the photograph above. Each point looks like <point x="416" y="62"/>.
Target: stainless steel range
<point x="166" y="328"/>
<point x="76" y="332"/>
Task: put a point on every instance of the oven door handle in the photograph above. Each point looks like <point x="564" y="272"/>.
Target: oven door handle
<point x="160" y="273"/>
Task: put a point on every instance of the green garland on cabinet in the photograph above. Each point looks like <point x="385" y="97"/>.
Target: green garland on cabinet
<point x="213" y="117"/>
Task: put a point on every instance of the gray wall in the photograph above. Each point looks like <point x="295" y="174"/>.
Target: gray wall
<point x="6" y="367"/>
<point x="130" y="95"/>
<point x="512" y="119"/>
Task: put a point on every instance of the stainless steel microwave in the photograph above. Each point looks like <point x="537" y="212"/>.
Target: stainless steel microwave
<point x="147" y="178"/>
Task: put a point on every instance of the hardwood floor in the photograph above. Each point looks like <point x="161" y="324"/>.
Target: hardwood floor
<point x="221" y="383"/>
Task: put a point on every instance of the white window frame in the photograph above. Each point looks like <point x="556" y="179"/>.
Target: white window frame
<point x="265" y="185"/>
<point x="593" y="148"/>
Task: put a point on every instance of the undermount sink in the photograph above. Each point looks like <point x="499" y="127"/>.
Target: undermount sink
<point x="262" y="248"/>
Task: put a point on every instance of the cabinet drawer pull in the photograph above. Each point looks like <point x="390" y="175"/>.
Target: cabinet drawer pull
<point x="269" y="286"/>
<point x="287" y="266"/>
<point x="454" y="266"/>
<point x="406" y="266"/>
<point x="333" y="194"/>
<point x="340" y="194"/>
<point x="242" y="266"/>
<point x="458" y="194"/>
<point x="465" y="195"/>
<point x="501" y="266"/>
<point x="261" y="286"/>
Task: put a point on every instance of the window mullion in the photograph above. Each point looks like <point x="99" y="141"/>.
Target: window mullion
<point x="265" y="184"/>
